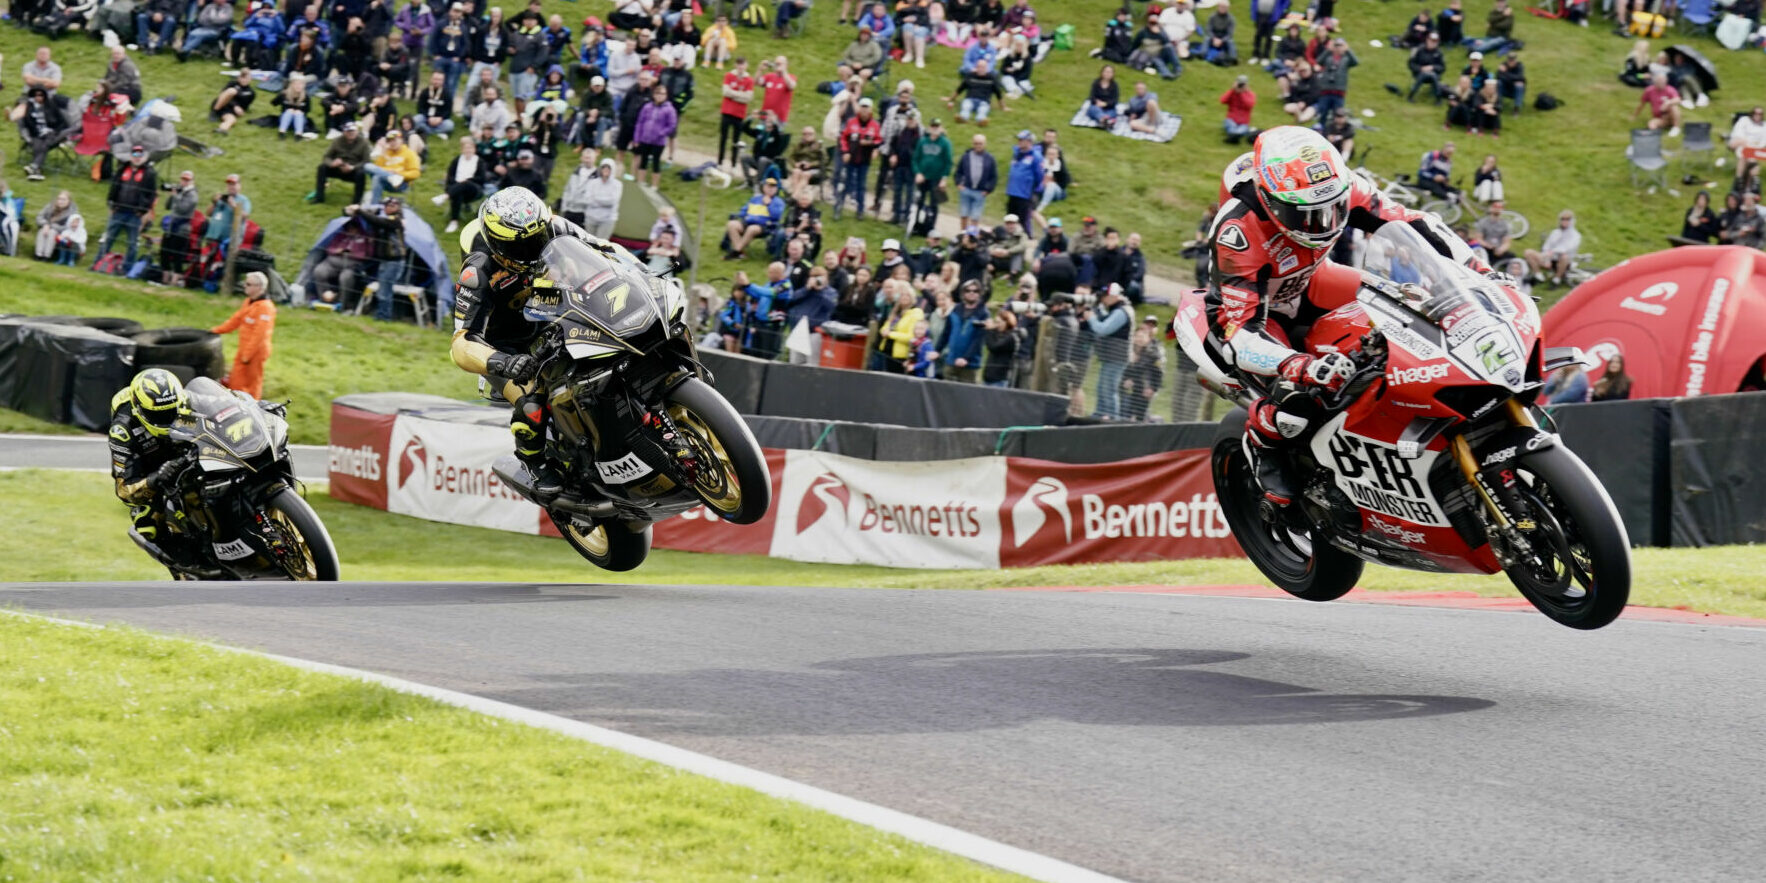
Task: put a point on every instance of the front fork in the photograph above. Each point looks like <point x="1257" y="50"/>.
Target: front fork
<point x="1507" y="514"/>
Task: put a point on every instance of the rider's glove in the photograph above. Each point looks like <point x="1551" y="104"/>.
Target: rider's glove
<point x="1502" y="279"/>
<point x="518" y="367"/>
<point x="166" y="474"/>
<point x="1329" y="371"/>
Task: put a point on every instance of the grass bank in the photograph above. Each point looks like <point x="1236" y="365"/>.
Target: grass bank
<point x="374" y="545"/>
<point x="133" y="757"/>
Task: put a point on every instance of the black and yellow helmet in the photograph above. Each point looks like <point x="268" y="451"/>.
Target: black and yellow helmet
<point x="156" y="396"/>
<point x="517" y="225"/>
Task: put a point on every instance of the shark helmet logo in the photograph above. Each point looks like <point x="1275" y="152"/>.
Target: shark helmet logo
<point x="826" y="492"/>
<point x="413" y="458"/>
<point x="1047" y="493"/>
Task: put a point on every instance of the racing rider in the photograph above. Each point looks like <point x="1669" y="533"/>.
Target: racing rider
<point x="491" y="335"/>
<point x="1283" y="207"/>
<point x="143" y="458"/>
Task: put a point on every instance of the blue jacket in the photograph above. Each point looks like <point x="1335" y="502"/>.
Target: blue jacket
<point x="989" y="179"/>
<point x="765" y="297"/>
<point x="264" y="30"/>
<point x="1025" y="178"/>
<point x="816" y="305"/>
<point x="882" y="29"/>
<point x="757" y="210"/>
<point x="921" y="353"/>
<point x="1276" y="14"/>
<point x="962" y="336"/>
<point x="976" y="53"/>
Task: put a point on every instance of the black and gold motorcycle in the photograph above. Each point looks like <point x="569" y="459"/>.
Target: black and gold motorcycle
<point x="233" y="511"/>
<point x="637" y="430"/>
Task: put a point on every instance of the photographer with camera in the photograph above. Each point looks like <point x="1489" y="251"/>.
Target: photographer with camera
<point x="1111" y="323"/>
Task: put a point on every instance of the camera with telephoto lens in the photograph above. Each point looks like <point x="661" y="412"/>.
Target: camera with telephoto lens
<point x="1027" y="307"/>
<point x="1073" y="299"/>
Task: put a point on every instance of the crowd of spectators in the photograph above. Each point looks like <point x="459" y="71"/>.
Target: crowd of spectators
<point x="380" y="81"/>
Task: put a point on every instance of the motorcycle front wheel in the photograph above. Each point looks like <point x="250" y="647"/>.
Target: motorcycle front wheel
<point x="1289" y="558"/>
<point x="1579" y="570"/>
<point x="609" y="545"/>
<point x="299" y="523"/>
<point x="732" y="478"/>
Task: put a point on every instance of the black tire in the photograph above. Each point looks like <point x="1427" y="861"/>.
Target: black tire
<point x="110" y="324"/>
<point x="1300" y="567"/>
<point x="609" y="545"/>
<point x="312" y="532"/>
<point x="1593" y="582"/>
<point x="196" y="347"/>
<point x="714" y="426"/>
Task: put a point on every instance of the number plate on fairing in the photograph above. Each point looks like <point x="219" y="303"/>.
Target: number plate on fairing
<point x="1376" y="476"/>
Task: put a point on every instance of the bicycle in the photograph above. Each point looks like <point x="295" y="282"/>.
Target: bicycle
<point x="1451" y="210"/>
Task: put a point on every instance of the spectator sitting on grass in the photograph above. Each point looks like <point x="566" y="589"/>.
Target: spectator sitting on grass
<point x="1239" y="101"/>
<point x="1298" y="91"/>
<point x="1450" y="23"/>
<point x="392" y="166"/>
<point x="1558" y="254"/>
<point x="983" y="50"/>
<point x="1663" y="102"/>
<point x="52" y="220"/>
<point x="979" y="89"/>
<point x="1005" y="250"/>
<point x="1153" y="51"/>
<point x="595" y="196"/>
<point x="1218" y="47"/>
<point x="1748" y="137"/>
<point x="1494" y="234"/>
<point x="1179" y="24"/>
<point x="1340" y="131"/>
<point x="525" y="172"/>
<point x="803" y="221"/>
<point x="1015" y="69"/>
<point x="1143" y="113"/>
<point x="1426" y="66"/>
<point x="343" y="105"/>
<point x="1700" y="223"/>
<point x="345" y="158"/>
<point x="1105" y="94"/>
<point x="663" y="255"/>
<point x="234" y="102"/>
<point x="295" y="107"/>
<point x="42" y="71"/>
<point x="70" y="242"/>
<point x="42" y="125"/>
<point x="1417" y="32"/>
<point x="756" y="218"/>
<point x="863" y="55"/>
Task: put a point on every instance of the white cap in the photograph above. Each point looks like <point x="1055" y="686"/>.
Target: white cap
<point x="1476" y="56"/>
<point x="904" y="86"/>
<point x="892" y="245"/>
<point x="597" y="81"/>
<point x="1010" y="218"/>
<point x="866" y="102"/>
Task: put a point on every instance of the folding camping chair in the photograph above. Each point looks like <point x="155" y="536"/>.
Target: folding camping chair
<point x="1697" y="140"/>
<point x="1645" y="154"/>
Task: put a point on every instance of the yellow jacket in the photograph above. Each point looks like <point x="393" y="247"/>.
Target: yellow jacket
<point x="901" y="334"/>
<point x="403" y="162"/>
<point x="722" y="32"/>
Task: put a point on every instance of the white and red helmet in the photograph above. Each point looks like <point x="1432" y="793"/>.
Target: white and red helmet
<point x="1303" y="184"/>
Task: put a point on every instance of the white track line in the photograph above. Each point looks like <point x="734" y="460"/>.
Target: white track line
<point x="930" y="833"/>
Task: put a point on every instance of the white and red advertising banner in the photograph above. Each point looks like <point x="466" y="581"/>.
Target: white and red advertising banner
<point x="985" y="512"/>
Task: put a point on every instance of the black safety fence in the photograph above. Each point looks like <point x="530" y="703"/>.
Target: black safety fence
<point x="1716" y="472"/>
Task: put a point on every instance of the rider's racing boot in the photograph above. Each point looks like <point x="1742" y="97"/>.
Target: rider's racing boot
<point x="1267" y="431"/>
<point x="528" y="424"/>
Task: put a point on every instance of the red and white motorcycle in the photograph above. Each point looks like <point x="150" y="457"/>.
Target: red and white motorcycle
<point x="1430" y="457"/>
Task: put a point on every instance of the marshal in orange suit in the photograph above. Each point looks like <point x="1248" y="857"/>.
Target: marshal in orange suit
<point x="256" y="322"/>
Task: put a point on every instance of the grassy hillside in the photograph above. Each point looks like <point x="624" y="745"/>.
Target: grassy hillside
<point x="1570" y="157"/>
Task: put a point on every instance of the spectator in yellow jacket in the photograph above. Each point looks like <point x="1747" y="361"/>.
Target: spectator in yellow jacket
<point x="719" y="43"/>
<point x="392" y="166"/>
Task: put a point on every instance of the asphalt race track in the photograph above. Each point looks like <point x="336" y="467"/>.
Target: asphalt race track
<point x="1155" y="737"/>
<point x="92" y="453"/>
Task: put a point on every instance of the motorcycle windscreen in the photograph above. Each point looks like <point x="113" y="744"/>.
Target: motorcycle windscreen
<point x="1476" y="322"/>
<point x="616" y="297"/>
<point x="225" y="428"/>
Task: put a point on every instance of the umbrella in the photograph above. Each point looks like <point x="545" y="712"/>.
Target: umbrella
<point x="1683" y="55"/>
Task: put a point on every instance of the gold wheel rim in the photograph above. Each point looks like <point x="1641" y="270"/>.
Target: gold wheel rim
<point x="720" y="492"/>
<point x="292" y="533"/>
<point x="593" y="540"/>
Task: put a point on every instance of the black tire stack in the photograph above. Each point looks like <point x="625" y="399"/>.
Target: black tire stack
<point x="187" y="352"/>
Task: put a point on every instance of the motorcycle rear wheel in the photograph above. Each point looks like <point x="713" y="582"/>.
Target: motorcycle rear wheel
<point x="1313" y="571"/>
<point x="739" y="489"/>
<point x="1585" y="577"/>
<point x="609" y="545"/>
<point x="302" y="524"/>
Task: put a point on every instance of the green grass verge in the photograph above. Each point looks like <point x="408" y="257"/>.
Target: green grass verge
<point x="134" y="757"/>
<point x="374" y="545"/>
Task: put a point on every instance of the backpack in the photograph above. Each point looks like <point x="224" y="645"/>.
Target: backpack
<point x="110" y="264"/>
<point x="1064" y="37"/>
<point x="756" y="15"/>
<point x="1647" y="24"/>
<point x="1547" y="101"/>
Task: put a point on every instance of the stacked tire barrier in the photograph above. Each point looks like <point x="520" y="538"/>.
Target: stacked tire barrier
<point x="65" y="369"/>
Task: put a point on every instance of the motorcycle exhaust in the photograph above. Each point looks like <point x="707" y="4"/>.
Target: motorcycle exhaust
<point x="512" y="473"/>
<point x="151" y="548"/>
